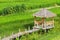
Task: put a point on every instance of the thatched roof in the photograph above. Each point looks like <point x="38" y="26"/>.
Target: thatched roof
<point x="44" y="13"/>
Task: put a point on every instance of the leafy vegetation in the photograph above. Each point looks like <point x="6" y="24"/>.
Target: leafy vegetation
<point x="10" y="10"/>
<point x="20" y="17"/>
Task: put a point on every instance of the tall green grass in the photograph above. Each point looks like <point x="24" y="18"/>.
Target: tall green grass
<point x="29" y="3"/>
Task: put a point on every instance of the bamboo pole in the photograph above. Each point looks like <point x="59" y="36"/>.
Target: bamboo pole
<point x="34" y="20"/>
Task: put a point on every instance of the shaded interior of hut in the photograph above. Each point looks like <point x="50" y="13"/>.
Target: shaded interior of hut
<point x="44" y="22"/>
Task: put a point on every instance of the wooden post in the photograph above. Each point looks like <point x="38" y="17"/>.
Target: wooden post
<point x="34" y="20"/>
<point x="43" y="19"/>
<point x="53" y="21"/>
<point x="44" y="25"/>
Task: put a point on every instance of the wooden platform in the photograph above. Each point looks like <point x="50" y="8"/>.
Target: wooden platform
<point x="25" y="32"/>
<point x="19" y="34"/>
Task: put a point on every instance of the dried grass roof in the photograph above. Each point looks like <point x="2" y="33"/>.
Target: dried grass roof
<point x="44" y="13"/>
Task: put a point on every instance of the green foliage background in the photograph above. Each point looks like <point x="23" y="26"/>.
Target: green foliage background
<point x="17" y="14"/>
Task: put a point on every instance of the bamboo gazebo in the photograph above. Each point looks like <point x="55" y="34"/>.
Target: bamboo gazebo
<point x="44" y="14"/>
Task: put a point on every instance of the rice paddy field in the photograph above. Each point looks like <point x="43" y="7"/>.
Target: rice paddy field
<point x="28" y="3"/>
<point x="19" y="20"/>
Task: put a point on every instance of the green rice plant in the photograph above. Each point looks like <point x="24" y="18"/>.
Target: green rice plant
<point x="16" y="20"/>
<point x="10" y="10"/>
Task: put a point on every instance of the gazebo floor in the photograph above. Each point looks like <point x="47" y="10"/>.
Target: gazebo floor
<point x="47" y="27"/>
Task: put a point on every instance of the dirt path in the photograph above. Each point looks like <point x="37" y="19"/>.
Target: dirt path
<point x="45" y="8"/>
